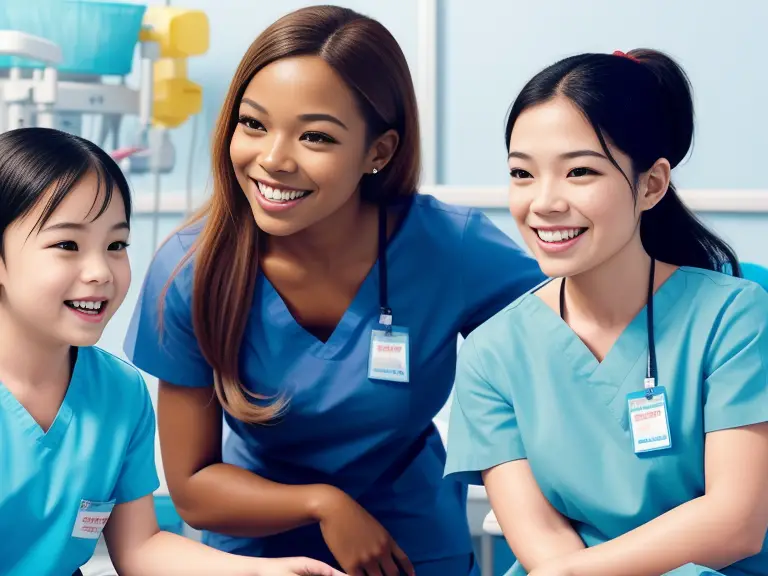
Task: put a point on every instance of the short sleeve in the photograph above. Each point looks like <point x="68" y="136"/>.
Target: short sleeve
<point x="138" y="473"/>
<point x="482" y="429"/>
<point x="495" y="271"/>
<point x="736" y="379"/>
<point x="166" y="347"/>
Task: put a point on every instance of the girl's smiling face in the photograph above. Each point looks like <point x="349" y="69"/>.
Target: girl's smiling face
<point x="61" y="282"/>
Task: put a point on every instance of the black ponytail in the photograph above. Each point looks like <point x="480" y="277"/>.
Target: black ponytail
<point x="642" y="102"/>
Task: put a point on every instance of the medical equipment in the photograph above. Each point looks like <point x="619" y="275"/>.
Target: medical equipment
<point x="66" y="62"/>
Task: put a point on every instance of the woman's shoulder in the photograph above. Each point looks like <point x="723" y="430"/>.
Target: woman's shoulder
<point x="720" y="289"/>
<point x="178" y="244"/>
<point x="517" y="322"/>
<point x="174" y="259"/>
<point x="430" y="212"/>
<point x="730" y="309"/>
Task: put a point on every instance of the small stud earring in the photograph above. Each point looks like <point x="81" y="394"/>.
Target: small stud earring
<point x="375" y="170"/>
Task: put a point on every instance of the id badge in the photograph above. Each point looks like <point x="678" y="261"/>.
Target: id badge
<point x="649" y="420"/>
<point x="388" y="358"/>
<point x="91" y="519"/>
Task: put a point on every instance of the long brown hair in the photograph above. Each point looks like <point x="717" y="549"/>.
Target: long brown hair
<point x="368" y="58"/>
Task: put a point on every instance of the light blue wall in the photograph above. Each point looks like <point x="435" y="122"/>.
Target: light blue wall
<point x="491" y="48"/>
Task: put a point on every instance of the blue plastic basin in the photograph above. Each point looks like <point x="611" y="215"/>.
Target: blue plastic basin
<point x="95" y="37"/>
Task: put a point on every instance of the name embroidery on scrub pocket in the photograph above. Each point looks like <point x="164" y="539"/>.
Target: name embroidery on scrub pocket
<point x="91" y="519"/>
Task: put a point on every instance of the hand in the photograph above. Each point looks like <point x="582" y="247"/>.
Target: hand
<point x="293" y="567"/>
<point x="358" y="542"/>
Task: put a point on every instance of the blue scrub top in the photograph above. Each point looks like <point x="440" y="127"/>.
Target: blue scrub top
<point x="528" y="387"/>
<point x="100" y="449"/>
<point x="449" y="270"/>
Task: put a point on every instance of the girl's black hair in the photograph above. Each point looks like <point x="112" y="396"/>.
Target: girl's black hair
<point x="642" y="103"/>
<point x="43" y="164"/>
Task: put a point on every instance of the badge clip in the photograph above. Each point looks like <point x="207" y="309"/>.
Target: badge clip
<point x="649" y="384"/>
<point x="385" y="319"/>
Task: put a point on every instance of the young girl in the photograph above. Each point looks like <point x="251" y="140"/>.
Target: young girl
<point x="77" y="427"/>
<point x="320" y="311"/>
<point x="618" y="413"/>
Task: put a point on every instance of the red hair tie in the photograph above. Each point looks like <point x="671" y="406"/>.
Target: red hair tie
<point x="625" y="55"/>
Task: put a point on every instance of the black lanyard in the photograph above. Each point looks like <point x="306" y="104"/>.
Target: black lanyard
<point x="650" y="373"/>
<point x="385" y="317"/>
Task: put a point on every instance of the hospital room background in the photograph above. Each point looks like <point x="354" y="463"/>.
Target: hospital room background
<point x="469" y="59"/>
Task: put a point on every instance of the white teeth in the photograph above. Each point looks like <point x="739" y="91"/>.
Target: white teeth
<point x="559" y="235"/>
<point x="87" y="305"/>
<point x="279" y="195"/>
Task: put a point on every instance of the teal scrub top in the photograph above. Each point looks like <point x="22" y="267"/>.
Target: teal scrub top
<point x="98" y="452"/>
<point x="528" y="387"/>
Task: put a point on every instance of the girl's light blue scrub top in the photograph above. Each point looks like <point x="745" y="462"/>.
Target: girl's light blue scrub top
<point x="98" y="452"/>
<point x="449" y="269"/>
<point x="528" y="387"/>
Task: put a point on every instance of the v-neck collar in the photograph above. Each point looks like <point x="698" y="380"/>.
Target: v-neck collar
<point x="58" y="427"/>
<point x="364" y="304"/>
<point x="281" y="318"/>
<point x="629" y="348"/>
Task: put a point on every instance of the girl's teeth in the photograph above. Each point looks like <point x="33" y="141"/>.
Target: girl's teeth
<point x="279" y="195"/>
<point x="558" y="235"/>
<point x="87" y="305"/>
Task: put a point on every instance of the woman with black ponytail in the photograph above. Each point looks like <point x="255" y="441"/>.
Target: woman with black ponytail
<point x="618" y="413"/>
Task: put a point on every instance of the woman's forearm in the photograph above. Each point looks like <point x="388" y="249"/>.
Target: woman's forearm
<point x="539" y="548"/>
<point x="230" y="500"/>
<point x="704" y="531"/>
<point x="172" y="555"/>
<point x="533" y="528"/>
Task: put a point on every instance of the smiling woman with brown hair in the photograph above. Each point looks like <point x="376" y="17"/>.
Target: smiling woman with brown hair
<point x="317" y="300"/>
